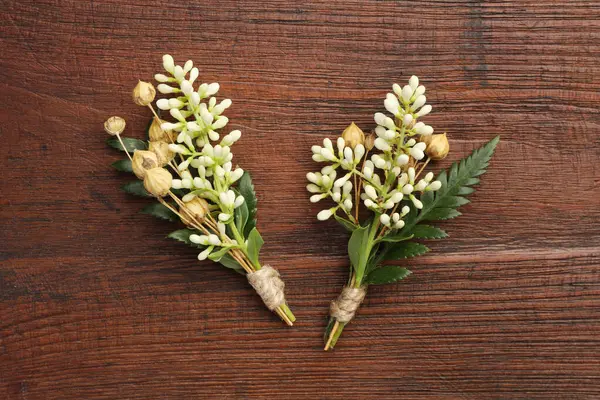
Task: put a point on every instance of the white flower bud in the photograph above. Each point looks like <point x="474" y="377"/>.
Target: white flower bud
<point x="407" y="93"/>
<point x="402" y="159"/>
<point x="168" y="63"/>
<point x="165" y="89"/>
<point x="428" y="177"/>
<point x="391" y="104"/>
<point x="371" y="192"/>
<point x="188" y="66"/>
<point x="212" y="89"/>
<point x="397" y="89"/>
<point x="359" y="152"/>
<point x="324" y="214"/>
<point x="238" y="201"/>
<point x="369" y="203"/>
<point x="220" y="122"/>
<point x="194" y="74"/>
<point x="435" y="185"/>
<point x="407" y="189"/>
<point x="186" y="87"/>
<point x="419" y="102"/>
<point x="385" y="219"/>
<point x="161" y="78"/>
<point x="407" y="120"/>
<point x="380" y="118"/>
<point x="420" y="90"/>
<point x="405" y="210"/>
<point x="424" y="111"/>
<point x="204" y="255"/>
<point x="413" y="82"/>
<point x="163" y="104"/>
<point x="348" y="204"/>
<point x="399" y="225"/>
<point x="382" y="145"/>
<point x="397" y="197"/>
<point x="416" y="202"/>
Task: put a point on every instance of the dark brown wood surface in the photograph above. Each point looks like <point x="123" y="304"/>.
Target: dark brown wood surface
<point x="95" y="303"/>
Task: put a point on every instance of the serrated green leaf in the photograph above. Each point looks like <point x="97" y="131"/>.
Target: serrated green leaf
<point x="255" y="242"/>
<point x="455" y="183"/>
<point x="130" y="144"/>
<point x="160" y="211"/>
<point x="347" y="224"/>
<point x="441" y="213"/>
<point x="136" y="188"/>
<point x="122" y="165"/>
<point x="428" y="232"/>
<point x="246" y="189"/>
<point x="386" y="274"/>
<point x="405" y="250"/>
<point x="183" y="235"/>
<point x="395" y="237"/>
<point x="453" y="201"/>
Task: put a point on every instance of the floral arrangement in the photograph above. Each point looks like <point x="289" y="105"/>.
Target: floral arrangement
<point x="186" y="166"/>
<point x="385" y="173"/>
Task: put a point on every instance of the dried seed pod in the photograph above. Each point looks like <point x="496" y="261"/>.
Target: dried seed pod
<point x="142" y="161"/>
<point x="195" y="209"/>
<point x="437" y="146"/>
<point x="353" y="135"/>
<point x="162" y="152"/>
<point x="370" y="141"/>
<point x="157" y="134"/>
<point x="143" y="93"/>
<point x="114" y="125"/>
<point x="158" y="181"/>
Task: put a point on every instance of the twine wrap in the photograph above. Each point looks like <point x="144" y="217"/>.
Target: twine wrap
<point x="345" y="306"/>
<point x="268" y="285"/>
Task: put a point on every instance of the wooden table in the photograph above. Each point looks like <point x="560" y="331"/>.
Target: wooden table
<point x="95" y="303"/>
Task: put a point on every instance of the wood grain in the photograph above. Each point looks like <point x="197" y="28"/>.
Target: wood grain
<point x="96" y="304"/>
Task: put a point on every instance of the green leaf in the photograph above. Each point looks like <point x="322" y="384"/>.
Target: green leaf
<point x="130" y="144"/>
<point x="122" y="165"/>
<point x="229" y="262"/>
<point x="405" y="250"/>
<point x="246" y="189"/>
<point x="428" y="232"/>
<point x="183" y="235"/>
<point x="255" y="242"/>
<point x="455" y="183"/>
<point x="136" y="188"/>
<point x="441" y="213"/>
<point x="387" y="274"/>
<point x="217" y="255"/>
<point x="395" y="237"/>
<point x="349" y="225"/>
<point x="160" y="211"/>
<point x="241" y="217"/>
<point x="356" y="249"/>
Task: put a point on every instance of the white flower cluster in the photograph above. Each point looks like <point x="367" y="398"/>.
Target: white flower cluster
<point x="324" y="184"/>
<point x="205" y="169"/>
<point x="389" y="176"/>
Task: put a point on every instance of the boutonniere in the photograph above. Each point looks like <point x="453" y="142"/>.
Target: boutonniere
<point x="383" y="195"/>
<point x="186" y="165"/>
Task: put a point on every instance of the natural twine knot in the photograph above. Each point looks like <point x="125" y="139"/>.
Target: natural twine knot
<point x="345" y="306"/>
<point x="268" y="285"/>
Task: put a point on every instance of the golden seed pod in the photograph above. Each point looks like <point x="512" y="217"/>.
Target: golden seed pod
<point x="142" y="161"/>
<point x="437" y="146"/>
<point x="114" y="126"/>
<point x="353" y="135"/>
<point x="195" y="209"/>
<point x="370" y="141"/>
<point x="158" y="181"/>
<point x="157" y="134"/>
<point x="162" y="152"/>
<point x="143" y="93"/>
